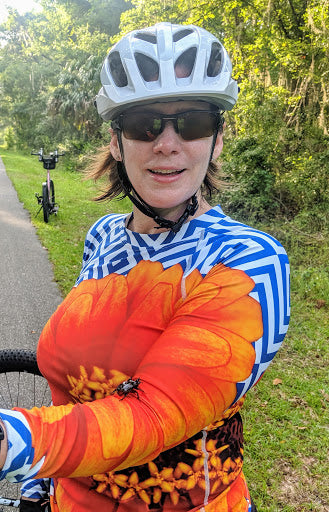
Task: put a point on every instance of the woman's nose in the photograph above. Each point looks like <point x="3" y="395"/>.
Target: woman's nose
<point x="168" y="140"/>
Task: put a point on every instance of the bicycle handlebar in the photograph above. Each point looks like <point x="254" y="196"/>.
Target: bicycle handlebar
<point x="52" y="153"/>
<point x="49" y="161"/>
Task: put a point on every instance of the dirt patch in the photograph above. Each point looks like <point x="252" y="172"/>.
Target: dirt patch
<point x="301" y="490"/>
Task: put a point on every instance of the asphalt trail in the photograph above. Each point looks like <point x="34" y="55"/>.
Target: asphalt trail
<point x="28" y="292"/>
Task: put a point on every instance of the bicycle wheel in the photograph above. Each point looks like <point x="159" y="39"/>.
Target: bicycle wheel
<point x="45" y="202"/>
<point x="21" y="385"/>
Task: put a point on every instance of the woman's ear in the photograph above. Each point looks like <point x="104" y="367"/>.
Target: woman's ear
<point x="114" y="146"/>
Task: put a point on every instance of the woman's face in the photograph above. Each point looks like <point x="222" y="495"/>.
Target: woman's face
<point x="167" y="171"/>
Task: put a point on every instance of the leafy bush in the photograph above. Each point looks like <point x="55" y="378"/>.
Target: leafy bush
<point x="307" y="186"/>
<point x="9" y="138"/>
<point x="250" y="193"/>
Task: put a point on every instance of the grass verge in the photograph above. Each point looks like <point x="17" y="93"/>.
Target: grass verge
<point x="287" y="414"/>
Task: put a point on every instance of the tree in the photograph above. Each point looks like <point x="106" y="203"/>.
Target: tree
<point x="48" y="88"/>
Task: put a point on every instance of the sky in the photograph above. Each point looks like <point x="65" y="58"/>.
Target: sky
<point x="21" y="5"/>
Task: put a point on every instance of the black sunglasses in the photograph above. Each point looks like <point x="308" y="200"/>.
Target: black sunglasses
<point x="146" y="126"/>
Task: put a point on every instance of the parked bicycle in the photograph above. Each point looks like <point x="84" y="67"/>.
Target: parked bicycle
<point x="47" y="199"/>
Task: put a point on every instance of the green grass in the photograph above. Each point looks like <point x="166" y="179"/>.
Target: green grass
<point x="286" y="424"/>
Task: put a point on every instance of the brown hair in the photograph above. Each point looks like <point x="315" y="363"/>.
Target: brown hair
<point x="104" y="165"/>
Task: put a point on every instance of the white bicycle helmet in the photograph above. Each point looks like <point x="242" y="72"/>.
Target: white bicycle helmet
<point x="166" y="62"/>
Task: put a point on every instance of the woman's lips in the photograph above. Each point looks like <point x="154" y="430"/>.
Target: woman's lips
<point x="166" y="172"/>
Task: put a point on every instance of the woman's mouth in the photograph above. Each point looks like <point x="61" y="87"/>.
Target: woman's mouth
<point x="166" y="172"/>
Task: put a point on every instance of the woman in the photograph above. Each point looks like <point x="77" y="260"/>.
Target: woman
<point x="177" y="311"/>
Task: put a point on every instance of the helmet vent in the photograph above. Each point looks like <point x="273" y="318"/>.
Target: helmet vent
<point x="149" y="38"/>
<point x="117" y="70"/>
<point x="185" y="63"/>
<point x="215" y="61"/>
<point x="182" y="33"/>
<point x="149" y="69"/>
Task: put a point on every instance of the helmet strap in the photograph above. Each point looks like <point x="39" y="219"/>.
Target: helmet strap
<point x="142" y="205"/>
<point x="219" y="126"/>
<point x="213" y="145"/>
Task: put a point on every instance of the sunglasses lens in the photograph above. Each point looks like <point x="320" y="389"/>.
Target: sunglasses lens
<point x="140" y="126"/>
<point x="196" y="125"/>
<point x="190" y="125"/>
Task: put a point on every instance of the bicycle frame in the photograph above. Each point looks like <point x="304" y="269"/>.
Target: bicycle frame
<point x="48" y="181"/>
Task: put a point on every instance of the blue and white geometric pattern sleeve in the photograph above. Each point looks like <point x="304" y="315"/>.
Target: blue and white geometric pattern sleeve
<point x="35" y="488"/>
<point x="18" y="464"/>
<point x="266" y="262"/>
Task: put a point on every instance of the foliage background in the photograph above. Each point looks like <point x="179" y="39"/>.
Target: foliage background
<point x="275" y="160"/>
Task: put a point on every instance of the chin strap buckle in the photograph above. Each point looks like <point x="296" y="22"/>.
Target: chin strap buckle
<point x="175" y="226"/>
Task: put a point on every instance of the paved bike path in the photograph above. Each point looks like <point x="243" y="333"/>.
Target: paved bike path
<point x="28" y="292"/>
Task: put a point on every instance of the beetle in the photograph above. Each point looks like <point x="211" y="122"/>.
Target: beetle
<point x="129" y="386"/>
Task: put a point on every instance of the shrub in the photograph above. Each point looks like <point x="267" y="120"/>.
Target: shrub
<point x="252" y="180"/>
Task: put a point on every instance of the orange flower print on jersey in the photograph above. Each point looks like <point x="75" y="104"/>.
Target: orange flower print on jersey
<point x="96" y="386"/>
<point x="189" y="340"/>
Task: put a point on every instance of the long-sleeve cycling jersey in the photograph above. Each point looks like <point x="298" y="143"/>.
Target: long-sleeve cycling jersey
<point x="148" y="359"/>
